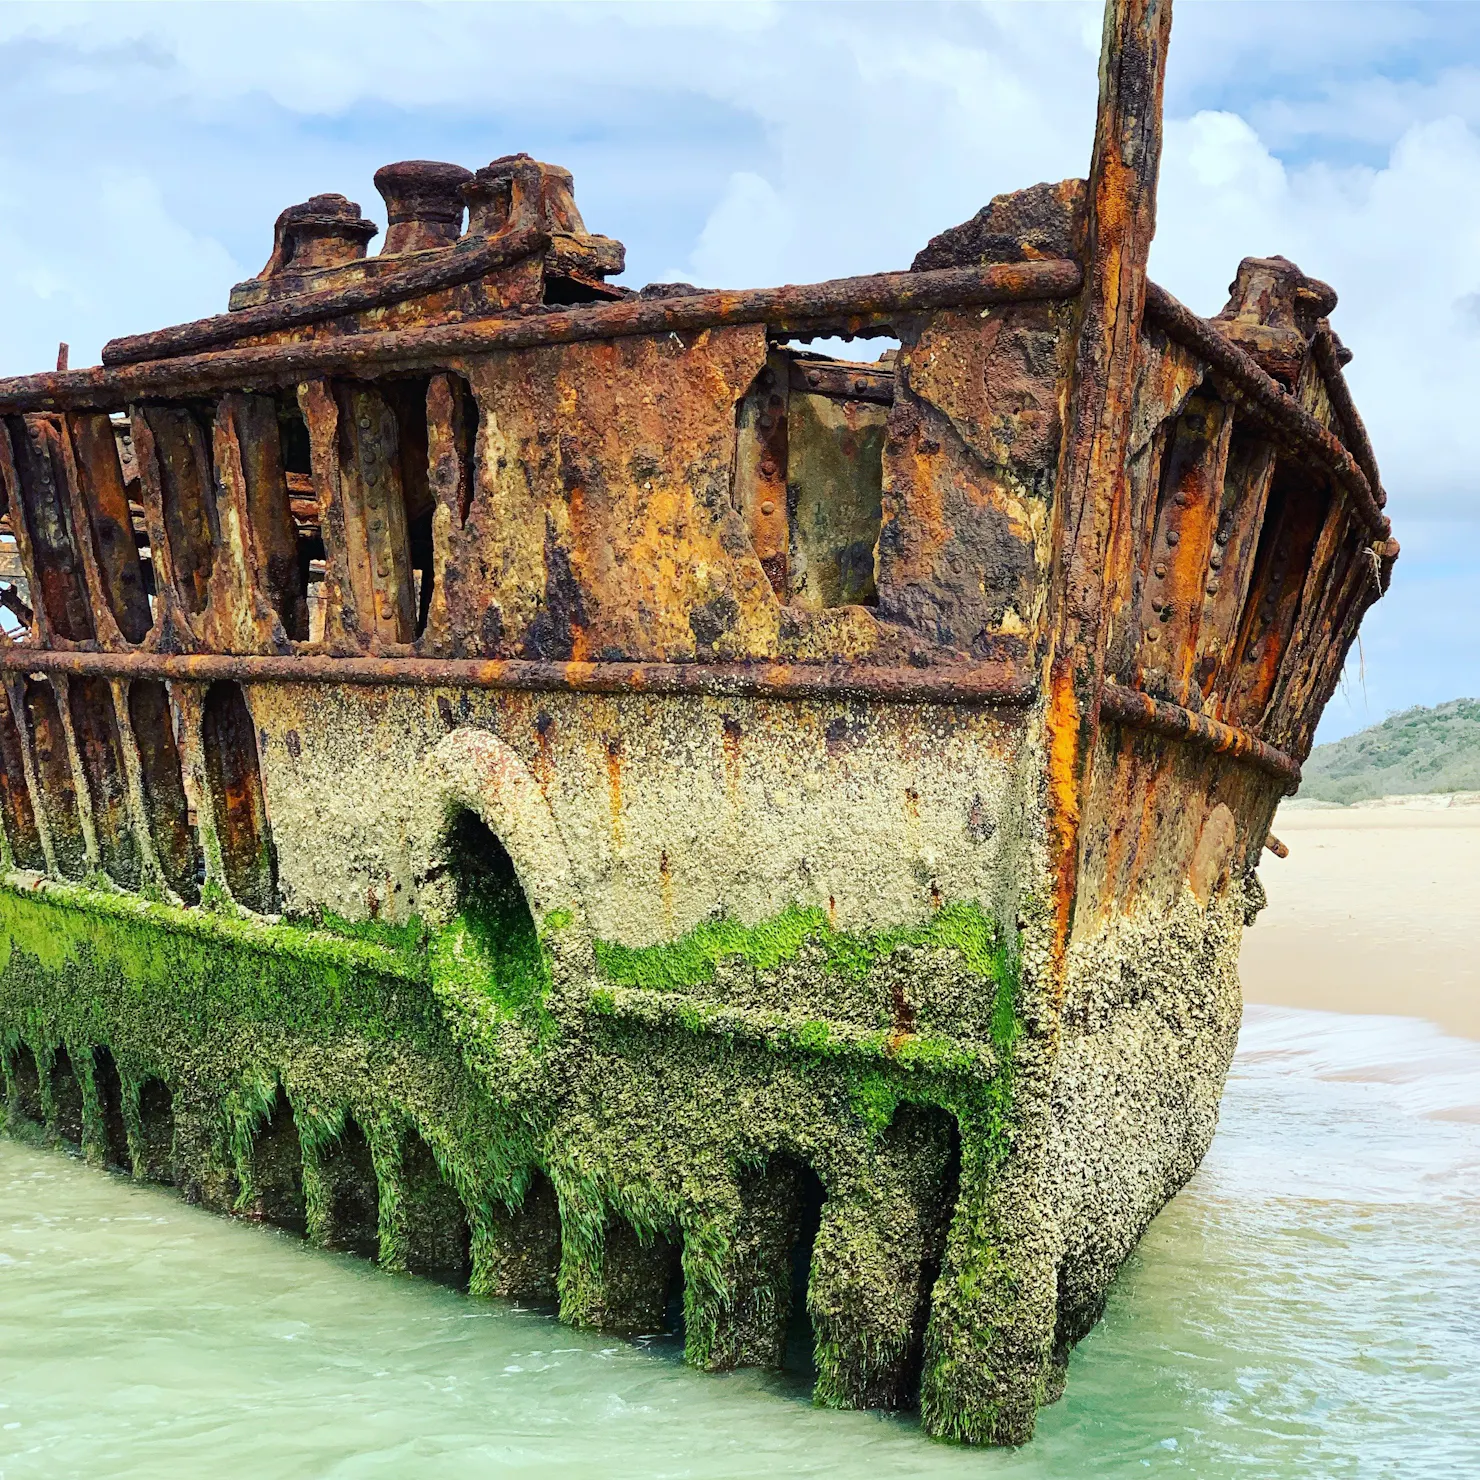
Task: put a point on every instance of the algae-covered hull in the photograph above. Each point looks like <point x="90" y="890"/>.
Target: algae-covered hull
<point x="567" y="789"/>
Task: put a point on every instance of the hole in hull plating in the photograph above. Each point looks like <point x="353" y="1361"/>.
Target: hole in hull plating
<point x="493" y="911"/>
<point x="108" y="1092"/>
<point x="66" y="1098"/>
<point x="152" y="720"/>
<point x="351" y="1193"/>
<point x="156" y="1132"/>
<point x="809" y="475"/>
<point x="236" y="797"/>
<point x="25" y="1085"/>
<point x="276" y="1171"/>
<point x="438" y="1240"/>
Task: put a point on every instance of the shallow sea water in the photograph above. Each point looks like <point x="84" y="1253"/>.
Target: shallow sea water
<point x="1309" y="1306"/>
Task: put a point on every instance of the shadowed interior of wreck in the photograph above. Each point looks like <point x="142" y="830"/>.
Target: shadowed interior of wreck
<point x="438" y="1238"/>
<point x="275" y="1164"/>
<point x="802" y="1195"/>
<point x="155" y="1161"/>
<point x="23" y="1083"/>
<point x="66" y="1097"/>
<point x="108" y="1091"/>
<point x="351" y="1193"/>
<point x="641" y="1281"/>
<point x="524" y="1254"/>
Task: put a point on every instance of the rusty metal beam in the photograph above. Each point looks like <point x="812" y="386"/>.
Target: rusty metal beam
<point x="1142" y="712"/>
<point x="460" y="264"/>
<point x="1268" y="401"/>
<point x="1353" y="429"/>
<point x="1091" y="498"/>
<point x="858" y="304"/>
<point x="10" y="599"/>
<point x="980" y="683"/>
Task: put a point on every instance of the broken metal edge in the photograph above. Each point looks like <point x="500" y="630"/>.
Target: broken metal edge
<point x="1267" y="400"/>
<point x="868" y="299"/>
<point x="1353" y="429"/>
<point x="1142" y="711"/>
<point x="850" y="304"/>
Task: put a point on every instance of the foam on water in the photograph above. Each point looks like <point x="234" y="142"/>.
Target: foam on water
<point x="1310" y="1305"/>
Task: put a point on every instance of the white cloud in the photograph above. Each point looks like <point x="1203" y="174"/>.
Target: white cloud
<point x="134" y="263"/>
<point x="747" y="237"/>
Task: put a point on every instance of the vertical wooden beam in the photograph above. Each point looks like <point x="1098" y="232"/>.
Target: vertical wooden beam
<point x="1092" y="475"/>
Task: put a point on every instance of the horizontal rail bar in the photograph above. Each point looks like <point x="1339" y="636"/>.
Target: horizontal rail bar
<point x="460" y="264"/>
<point x="1143" y="712"/>
<point x="859" y="301"/>
<point x="980" y="683"/>
<point x="1267" y="399"/>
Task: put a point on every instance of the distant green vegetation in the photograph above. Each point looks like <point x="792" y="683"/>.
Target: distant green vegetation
<point x="1420" y="750"/>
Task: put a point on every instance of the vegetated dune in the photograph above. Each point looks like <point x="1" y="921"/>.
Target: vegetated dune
<point x="1420" y="750"/>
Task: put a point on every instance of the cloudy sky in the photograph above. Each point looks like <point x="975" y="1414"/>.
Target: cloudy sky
<point x="144" y="152"/>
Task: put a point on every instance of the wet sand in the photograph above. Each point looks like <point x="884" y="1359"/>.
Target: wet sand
<point x="1376" y="910"/>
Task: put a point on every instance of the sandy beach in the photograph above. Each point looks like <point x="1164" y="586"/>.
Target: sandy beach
<point x="1376" y="910"/>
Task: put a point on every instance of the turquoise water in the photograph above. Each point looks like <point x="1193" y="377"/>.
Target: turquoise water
<point x="1309" y="1306"/>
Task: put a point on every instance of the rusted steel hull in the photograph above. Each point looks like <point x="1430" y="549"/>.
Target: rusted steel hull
<point x="567" y="787"/>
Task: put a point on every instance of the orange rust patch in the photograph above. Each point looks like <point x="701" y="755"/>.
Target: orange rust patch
<point x="1063" y="786"/>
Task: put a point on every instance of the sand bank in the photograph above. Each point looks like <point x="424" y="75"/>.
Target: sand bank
<point x="1377" y="909"/>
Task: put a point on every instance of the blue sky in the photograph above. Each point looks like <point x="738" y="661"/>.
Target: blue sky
<point x="145" y="151"/>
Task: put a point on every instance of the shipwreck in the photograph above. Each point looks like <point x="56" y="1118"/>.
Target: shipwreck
<point x="573" y="790"/>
